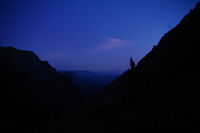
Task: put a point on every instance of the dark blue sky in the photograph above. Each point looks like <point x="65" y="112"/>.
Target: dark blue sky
<point x="97" y="35"/>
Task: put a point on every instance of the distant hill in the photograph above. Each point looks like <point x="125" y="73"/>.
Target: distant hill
<point x="32" y="92"/>
<point x="162" y="92"/>
<point x="90" y="82"/>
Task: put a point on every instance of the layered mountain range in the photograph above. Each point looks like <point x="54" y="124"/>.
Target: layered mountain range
<point x="89" y="82"/>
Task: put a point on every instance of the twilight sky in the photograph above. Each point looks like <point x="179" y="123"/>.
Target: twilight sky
<point x="96" y="35"/>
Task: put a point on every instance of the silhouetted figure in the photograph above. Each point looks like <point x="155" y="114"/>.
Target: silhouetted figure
<point x="132" y="64"/>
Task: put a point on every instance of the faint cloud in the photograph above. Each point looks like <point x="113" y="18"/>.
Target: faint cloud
<point x="110" y="44"/>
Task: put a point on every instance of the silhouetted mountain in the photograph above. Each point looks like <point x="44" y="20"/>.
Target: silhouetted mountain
<point x="32" y="92"/>
<point x="89" y="82"/>
<point x="161" y="92"/>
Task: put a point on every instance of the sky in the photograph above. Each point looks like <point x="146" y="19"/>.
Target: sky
<point x="95" y="35"/>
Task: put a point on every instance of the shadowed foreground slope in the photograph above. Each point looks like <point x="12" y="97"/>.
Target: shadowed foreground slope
<point x="32" y="93"/>
<point x="161" y="92"/>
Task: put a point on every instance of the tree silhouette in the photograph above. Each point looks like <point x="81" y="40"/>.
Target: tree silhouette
<point x="132" y="64"/>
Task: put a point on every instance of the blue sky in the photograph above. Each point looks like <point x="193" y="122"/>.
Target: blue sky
<point x="96" y="35"/>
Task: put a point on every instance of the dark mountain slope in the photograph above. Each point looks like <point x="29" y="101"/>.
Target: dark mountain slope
<point x="31" y="91"/>
<point x="161" y="92"/>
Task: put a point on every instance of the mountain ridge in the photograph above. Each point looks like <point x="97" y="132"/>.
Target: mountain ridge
<point x="32" y="92"/>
